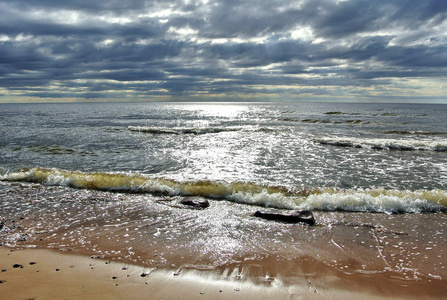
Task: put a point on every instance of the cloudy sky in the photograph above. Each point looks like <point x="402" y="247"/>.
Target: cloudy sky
<point x="209" y="50"/>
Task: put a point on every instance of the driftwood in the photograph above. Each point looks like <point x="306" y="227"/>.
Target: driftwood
<point x="302" y="216"/>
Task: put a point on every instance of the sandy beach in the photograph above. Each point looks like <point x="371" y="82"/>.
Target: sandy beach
<point x="46" y="274"/>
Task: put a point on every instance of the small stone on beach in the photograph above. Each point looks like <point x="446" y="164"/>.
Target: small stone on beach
<point x="195" y="202"/>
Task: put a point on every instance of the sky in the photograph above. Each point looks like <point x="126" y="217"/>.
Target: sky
<point x="206" y="50"/>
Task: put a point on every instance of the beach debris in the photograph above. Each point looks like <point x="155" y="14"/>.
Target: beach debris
<point x="298" y="216"/>
<point x="196" y="202"/>
<point x="15" y="266"/>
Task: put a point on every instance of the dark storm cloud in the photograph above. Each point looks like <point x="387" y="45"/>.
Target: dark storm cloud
<point x="138" y="49"/>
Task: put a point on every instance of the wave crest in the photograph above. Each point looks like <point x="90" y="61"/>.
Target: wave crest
<point x="385" y="144"/>
<point x="194" y="130"/>
<point x="178" y="130"/>
<point x="324" y="199"/>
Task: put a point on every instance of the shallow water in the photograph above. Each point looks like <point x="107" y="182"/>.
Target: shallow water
<point x="160" y="232"/>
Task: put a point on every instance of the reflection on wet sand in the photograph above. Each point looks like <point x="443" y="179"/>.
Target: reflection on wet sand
<point x="398" y="254"/>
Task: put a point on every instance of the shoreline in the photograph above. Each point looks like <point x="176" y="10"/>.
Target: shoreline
<point x="199" y="253"/>
<point x="49" y="274"/>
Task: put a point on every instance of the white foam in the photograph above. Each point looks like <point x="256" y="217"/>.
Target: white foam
<point x="264" y="198"/>
<point x="325" y="199"/>
<point x="393" y="144"/>
<point x="380" y="200"/>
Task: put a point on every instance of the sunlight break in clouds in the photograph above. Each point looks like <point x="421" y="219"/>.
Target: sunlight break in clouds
<point x="354" y="50"/>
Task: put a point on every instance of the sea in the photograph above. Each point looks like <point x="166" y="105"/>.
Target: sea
<point x="107" y="179"/>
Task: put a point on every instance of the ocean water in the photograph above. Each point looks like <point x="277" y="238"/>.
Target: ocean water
<point x="354" y="157"/>
<point x="107" y="180"/>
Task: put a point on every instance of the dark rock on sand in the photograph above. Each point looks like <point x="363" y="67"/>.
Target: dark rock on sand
<point x="195" y="202"/>
<point x="302" y="216"/>
<point x="17" y="266"/>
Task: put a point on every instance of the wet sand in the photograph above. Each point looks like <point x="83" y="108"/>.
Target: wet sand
<point x="222" y="251"/>
<point x="46" y="274"/>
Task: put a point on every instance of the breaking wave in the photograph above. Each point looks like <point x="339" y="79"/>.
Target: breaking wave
<point x="324" y="121"/>
<point x="178" y="130"/>
<point x="324" y="199"/>
<point x="406" y="132"/>
<point x="385" y="144"/>
<point x="192" y="130"/>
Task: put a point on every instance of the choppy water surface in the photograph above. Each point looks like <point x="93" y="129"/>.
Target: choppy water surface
<point x="107" y="179"/>
<point x="397" y="151"/>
